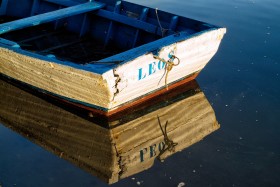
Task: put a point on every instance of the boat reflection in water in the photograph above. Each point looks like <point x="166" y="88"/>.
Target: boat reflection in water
<point x="118" y="146"/>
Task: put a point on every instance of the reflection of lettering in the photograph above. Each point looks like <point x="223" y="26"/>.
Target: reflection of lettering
<point x="151" y="151"/>
<point x="150" y="69"/>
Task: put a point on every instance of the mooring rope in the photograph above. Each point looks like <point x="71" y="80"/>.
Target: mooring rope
<point x="168" y="144"/>
<point x="163" y="30"/>
<point x="169" y="64"/>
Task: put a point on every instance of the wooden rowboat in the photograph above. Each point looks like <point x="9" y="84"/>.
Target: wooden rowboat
<point x="129" y="144"/>
<point x="103" y="55"/>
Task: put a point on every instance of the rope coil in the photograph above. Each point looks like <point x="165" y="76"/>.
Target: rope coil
<point x="169" y="64"/>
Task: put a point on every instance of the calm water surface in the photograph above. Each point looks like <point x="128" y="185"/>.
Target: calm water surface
<point x="242" y="84"/>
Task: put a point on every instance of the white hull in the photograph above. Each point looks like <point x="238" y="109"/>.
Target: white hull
<point x="118" y="86"/>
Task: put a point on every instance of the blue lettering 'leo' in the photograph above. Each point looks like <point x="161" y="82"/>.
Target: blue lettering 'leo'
<point x="150" y="69"/>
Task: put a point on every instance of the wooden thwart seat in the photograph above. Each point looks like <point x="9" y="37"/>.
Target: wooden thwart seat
<point x="50" y="16"/>
<point x="139" y="24"/>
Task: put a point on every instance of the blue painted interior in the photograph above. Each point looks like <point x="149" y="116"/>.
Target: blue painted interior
<point x="122" y="30"/>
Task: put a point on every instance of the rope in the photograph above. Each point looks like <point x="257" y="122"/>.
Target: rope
<point x="168" y="65"/>
<point x="163" y="30"/>
<point x="169" y="145"/>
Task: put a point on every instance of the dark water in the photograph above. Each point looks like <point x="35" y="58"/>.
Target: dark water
<point x="242" y="84"/>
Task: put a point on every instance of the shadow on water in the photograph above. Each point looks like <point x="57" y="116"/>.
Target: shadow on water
<point x="120" y="146"/>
